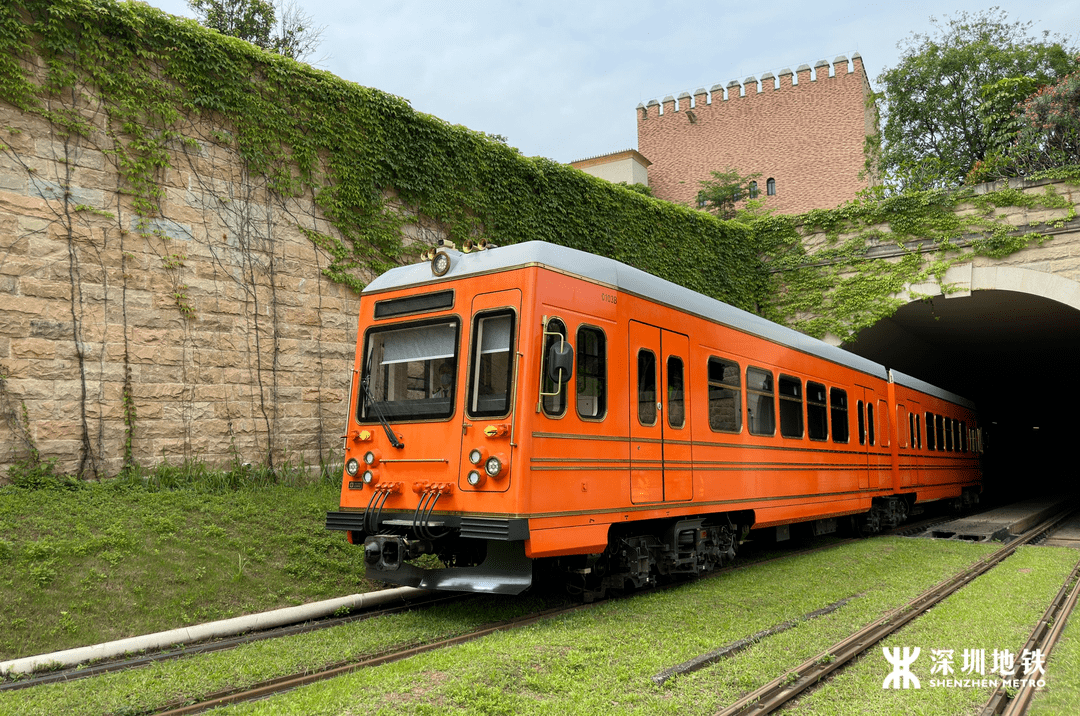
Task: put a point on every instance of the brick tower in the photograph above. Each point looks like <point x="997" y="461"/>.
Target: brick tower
<point x="805" y="137"/>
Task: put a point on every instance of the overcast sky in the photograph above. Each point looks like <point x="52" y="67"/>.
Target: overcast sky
<point x="562" y="79"/>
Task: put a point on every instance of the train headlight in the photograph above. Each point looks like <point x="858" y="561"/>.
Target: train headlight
<point x="368" y="477"/>
<point x="371" y="458"/>
<point x="440" y="263"/>
<point x="352" y="467"/>
<point x="477" y="455"/>
<point x="495" y="466"/>
<point x="475" y="478"/>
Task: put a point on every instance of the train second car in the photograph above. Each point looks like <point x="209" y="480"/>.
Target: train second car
<point x="536" y="405"/>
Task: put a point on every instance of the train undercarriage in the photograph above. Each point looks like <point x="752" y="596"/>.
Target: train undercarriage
<point x="488" y="555"/>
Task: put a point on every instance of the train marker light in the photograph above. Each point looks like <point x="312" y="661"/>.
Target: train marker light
<point x="475" y="478"/>
<point x="477" y="456"/>
<point x="352" y="467"/>
<point x="440" y="263"/>
<point x="368" y="477"/>
<point x="371" y="458"/>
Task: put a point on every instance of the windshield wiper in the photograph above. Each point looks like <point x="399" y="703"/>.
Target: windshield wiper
<point x="369" y="399"/>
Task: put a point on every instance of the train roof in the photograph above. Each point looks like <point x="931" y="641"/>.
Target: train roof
<point x="629" y="279"/>
<point x="899" y="378"/>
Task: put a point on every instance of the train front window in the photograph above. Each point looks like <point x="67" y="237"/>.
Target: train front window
<point x="491" y="368"/>
<point x="411" y="371"/>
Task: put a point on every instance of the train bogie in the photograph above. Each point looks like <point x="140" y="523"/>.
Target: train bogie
<point x="538" y="403"/>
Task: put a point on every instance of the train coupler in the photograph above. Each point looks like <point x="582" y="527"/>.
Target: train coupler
<point x="387" y="552"/>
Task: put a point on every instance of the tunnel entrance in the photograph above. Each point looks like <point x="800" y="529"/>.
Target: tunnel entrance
<point x="1016" y="355"/>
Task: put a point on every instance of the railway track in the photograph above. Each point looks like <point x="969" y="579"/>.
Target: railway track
<point x="779" y="692"/>
<point x="285" y="683"/>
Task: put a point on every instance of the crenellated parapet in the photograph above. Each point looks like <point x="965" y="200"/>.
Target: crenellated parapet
<point x="805" y="78"/>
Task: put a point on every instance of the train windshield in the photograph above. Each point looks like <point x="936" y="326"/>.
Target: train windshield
<point x="411" y="371"/>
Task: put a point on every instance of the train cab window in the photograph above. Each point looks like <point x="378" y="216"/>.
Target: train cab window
<point x="646" y="390"/>
<point x="553" y="399"/>
<point x="725" y="396"/>
<point x="791" y="410"/>
<point x="838" y="410"/>
<point x="492" y="367"/>
<point x="676" y="416"/>
<point x="871" y="423"/>
<point x="760" y="403"/>
<point x="862" y="422"/>
<point x="817" y="412"/>
<point x="591" y="373"/>
<point x="410" y="371"/>
<point x="929" y="430"/>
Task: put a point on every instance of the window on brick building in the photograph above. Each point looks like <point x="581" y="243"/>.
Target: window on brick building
<point x="770" y="187"/>
<point x="753" y="190"/>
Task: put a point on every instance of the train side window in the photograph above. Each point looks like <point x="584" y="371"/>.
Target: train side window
<point x="725" y="396"/>
<point x="492" y="371"/>
<point x="963" y="436"/>
<point x="929" y="430"/>
<point x="948" y="435"/>
<point x="591" y="373"/>
<point x="918" y="431"/>
<point x="862" y="422"/>
<point x="870" y="423"/>
<point x="760" y="404"/>
<point x="554" y="403"/>
<point x="791" y="410"/>
<point x="676" y="403"/>
<point x="940" y="423"/>
<point x="817" y="413"/>
<point x="838" y="407"/>
<point x="646" y="366"/>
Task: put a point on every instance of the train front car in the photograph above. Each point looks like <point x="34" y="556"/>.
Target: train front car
<point x="429" y="443"/>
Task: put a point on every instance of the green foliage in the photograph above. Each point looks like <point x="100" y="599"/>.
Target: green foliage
<point x="725" y="190"/>
<point x="249" y="20"/>
<point x="366" y="157"/>
<point x="871" y="249"/>
<point x="933" y="134"/>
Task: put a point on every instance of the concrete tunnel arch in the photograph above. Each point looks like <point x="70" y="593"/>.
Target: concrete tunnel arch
<point x="1008" y="338"/>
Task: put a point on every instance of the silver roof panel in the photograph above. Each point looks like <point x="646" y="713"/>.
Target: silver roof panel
<point x="624" y="278"/>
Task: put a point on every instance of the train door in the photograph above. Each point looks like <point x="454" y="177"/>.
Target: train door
<point x="866" y="434"/>
<point x="660" y="459"/>
<point x="490" y="387"/>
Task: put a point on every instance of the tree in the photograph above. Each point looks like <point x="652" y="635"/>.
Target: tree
<point x="720" y="194"/>
<point x="933" y="132"/>
<point x="281" y="26"/>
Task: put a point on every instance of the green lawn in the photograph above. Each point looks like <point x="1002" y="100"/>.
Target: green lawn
<point x="111" y="560"/>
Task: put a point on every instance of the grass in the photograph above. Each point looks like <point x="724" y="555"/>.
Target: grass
<point x="91" y="562"/>
<point x="598" y="661"/>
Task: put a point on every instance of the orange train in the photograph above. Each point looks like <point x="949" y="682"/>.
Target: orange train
<point x="537" y="406"/>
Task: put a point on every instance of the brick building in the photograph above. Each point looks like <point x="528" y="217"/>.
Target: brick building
<point x="802" y="131"/>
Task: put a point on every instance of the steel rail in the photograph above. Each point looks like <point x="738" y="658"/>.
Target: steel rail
<point x="778" y="692"/>
<point x="1043" y="638"/>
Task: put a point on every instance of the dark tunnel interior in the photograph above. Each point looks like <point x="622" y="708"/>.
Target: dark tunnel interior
<point x="1013" y="355"/>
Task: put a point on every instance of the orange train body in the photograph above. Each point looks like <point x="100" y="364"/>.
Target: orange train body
<point x="552" y="405"/>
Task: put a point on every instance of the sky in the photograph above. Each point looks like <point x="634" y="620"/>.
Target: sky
<point x="562" y="79"/>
